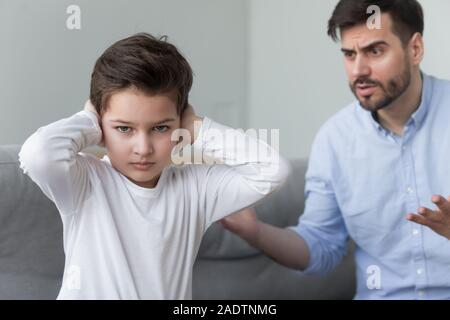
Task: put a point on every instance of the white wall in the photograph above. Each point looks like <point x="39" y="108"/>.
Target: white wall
<point x="46" y="68"/>
<point x="437" y="38"/>
<point x="296" y="74"/>
<point x="258" y="63"/>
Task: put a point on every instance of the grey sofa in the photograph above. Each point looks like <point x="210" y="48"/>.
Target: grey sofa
<point x="32" y="258"/>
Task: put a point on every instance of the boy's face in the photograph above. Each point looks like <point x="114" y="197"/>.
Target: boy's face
<point x="145" y="136"/>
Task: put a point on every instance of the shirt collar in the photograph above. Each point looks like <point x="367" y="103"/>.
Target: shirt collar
<point x="418" y="116"/>
<point x="145" y="192"/>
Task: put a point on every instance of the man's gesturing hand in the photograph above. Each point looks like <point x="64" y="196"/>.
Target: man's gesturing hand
<point x="437" y="220"/>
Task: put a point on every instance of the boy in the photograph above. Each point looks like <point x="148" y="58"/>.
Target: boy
<point x="133" y="221"/>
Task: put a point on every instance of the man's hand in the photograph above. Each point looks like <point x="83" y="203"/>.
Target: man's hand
<point x="244" y="223"/>
<point x="437" y="220"/>
<point x="88" y="106"/>
<point x="188" y="118"/>
<point x="284" y="245"/>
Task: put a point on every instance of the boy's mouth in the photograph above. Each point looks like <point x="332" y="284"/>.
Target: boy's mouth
<point x="142" y="165"/>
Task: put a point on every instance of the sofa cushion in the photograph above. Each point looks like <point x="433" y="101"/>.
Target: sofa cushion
<point x="260" y="278"/>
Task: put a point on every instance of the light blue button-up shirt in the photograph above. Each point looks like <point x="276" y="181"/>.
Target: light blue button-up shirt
<point x="361" y="182"/>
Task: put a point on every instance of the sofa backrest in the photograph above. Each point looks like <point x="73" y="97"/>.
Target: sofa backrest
<point x="31" y="249"/>
<point x="281" y="208"/>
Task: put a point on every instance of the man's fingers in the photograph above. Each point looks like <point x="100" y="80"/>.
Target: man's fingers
<point x="438" y="220"/>
<point x="417" y="218"/>
<point x="224" y="222"/>
<point x="441" y="203"/>
<point x="429" y="214"/>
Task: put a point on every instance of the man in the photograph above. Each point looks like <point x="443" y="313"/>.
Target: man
<point x="373" y="164"/>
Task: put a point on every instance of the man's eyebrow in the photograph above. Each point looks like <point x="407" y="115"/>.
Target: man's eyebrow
<point x="127" y="122"/>
<point x="348" y="50"/>
<point x="367" y="47"/>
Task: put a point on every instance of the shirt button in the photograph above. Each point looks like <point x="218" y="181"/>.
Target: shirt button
<point x="415" y="232"/>
<point x="419" y="271"/>
<point x="404" y="148"/>
<point x="409" y="190"/>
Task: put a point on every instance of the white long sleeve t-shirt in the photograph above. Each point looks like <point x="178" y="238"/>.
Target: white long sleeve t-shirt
<point x="123" y="241"/>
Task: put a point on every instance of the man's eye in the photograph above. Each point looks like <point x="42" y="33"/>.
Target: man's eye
<point x="161" y="128"/>
<point x="348" y="54"/>
<point x="376" y="51"/>
<point x="122" y="127"/>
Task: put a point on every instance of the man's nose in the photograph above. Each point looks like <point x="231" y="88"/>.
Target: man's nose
<point x="360" y="67"/>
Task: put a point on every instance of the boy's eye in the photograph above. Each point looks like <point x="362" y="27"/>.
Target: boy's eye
<point x="122" y="127"/>
<point x="161" y="128"/>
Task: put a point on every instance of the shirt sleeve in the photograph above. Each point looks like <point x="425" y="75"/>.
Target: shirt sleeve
<point x="51" y="158"/>
<point x="242" y="170"/>
<point x="322" y="225"/>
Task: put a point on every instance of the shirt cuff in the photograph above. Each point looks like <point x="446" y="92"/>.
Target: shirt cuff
<point x="313" y="247"/>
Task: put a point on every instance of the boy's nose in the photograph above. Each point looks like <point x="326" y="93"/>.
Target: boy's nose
<point x="143" y="146"/>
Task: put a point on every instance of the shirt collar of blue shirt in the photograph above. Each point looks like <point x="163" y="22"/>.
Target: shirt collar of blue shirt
<point x="417" y="117"/>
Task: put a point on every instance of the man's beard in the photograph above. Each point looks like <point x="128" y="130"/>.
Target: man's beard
<point x="396" y="86"/>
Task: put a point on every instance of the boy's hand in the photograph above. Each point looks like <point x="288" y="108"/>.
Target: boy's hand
<point x="88" y="106"/>
<point x="188" y="117"/>
<point x="244" y="223"/>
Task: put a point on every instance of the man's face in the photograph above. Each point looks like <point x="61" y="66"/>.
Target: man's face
<point x="145" y="136"/>
<point x="377" y="65"/>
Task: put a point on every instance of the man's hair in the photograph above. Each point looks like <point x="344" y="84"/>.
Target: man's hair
<point x="149" y="64"/>
<point x="406" y="15"/>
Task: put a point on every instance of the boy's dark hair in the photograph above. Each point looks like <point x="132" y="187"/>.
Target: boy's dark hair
<point x="149" y="64"/>
<point x="406" y="15"/>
